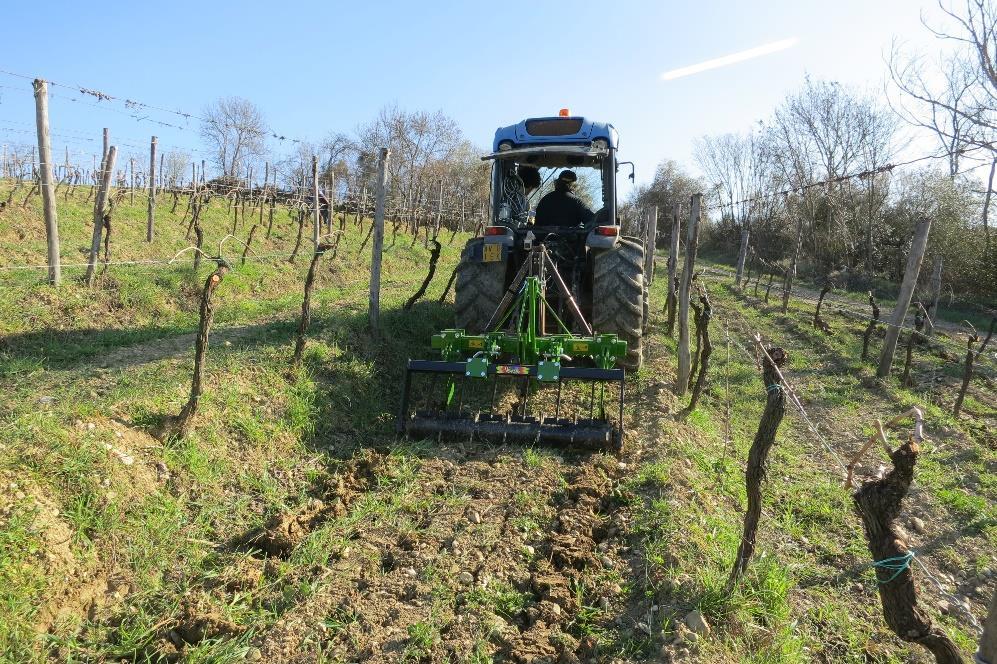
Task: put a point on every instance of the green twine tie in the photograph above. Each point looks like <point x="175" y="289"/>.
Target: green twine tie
<point x="898" y="564"/>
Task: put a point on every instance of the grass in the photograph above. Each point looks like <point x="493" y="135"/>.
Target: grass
<point x="267" y="440"/>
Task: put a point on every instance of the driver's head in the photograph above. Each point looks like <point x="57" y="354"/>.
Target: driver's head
<point x="566" y="181"/>
<point x="530" y="176"/>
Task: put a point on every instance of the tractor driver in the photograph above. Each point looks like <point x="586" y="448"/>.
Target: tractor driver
<point x="561" y="207"/>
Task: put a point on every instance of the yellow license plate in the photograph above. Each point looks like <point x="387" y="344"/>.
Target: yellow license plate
<point x="492" y="253"/>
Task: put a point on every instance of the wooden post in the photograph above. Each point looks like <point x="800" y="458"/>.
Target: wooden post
<point x="439" y="217"/>
<point x="107" y="146"/>
<point x="151" y="217"/>
<point x="914" y="260"/>
<point x="691" y="241"/>
<point x="131" y="167"/>
<point x="98" y="211"/>
<point x="742" y="254"/>
<point x="870" y="327"/>
<point x="48" y="191"/>
<point x="332" y="205"/>
<point x="375" y="256"/>
<point x="652" y="239"/>
<point x="787" y="287"/>
<point x="317" y="230"/>
<point x="935" y="294"/>
<point x="673" y="261"/>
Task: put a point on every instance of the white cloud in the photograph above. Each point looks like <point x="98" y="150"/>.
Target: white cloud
<point x="733" y="58"/>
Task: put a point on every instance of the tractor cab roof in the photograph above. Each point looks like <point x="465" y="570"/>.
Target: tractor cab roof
<point x="561" y="130"/>
<point x="553" y="156"/>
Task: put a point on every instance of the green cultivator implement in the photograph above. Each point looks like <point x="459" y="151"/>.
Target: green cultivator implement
<point x="522" y="362"/>
<point x="540" y="372"/>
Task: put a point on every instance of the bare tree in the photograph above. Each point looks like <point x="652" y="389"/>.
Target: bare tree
<point x="962" y="111"/>
<point x="175" y="165"/>
<point x="235" y="131"/>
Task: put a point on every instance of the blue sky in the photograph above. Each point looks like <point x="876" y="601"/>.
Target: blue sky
<point x="317" y="67"/>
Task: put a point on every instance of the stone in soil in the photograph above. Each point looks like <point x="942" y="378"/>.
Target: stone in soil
<point x="697" y="623"/>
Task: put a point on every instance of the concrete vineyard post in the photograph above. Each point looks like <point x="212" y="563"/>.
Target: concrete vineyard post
<point x="48" y="193"/>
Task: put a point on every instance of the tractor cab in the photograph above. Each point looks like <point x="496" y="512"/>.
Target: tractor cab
<point x="553" y="144"/>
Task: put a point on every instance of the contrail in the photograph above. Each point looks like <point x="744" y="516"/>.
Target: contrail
<point x="731" y="59"/>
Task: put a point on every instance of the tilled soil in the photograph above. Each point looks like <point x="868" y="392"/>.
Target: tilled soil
<point x="508" y="530"/>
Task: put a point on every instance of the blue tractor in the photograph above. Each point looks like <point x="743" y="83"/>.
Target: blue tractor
<point x="604" y="271"/>
<point x="540" y="302"/>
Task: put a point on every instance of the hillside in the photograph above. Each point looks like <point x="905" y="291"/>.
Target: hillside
<point x="292" y="525"/>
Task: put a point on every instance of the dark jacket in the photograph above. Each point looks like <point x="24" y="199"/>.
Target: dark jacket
<point x="562" y="208"/>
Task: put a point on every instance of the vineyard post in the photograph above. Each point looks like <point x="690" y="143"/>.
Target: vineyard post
<point x="375" y="256"/>
<point x="48" y="193"/>
<point x="652" y="239"/>
<point x="787" y="287"/>
<point x="98" y="212"/>
<point x="742" y="254"/>
<point x="914" y="260"/>
<point x="107" y="146"/>
<point x="151" y="217"/>
<point x="935" y="294"/>
<point x="439" y="217"/>
<point x="317" y="230"/>
<point x="131" y="168"/>
<point x="332" y="204"/>
<point x="691" y="240"/>
<point x="3" y="165"/>
<point x="673" y="254"/>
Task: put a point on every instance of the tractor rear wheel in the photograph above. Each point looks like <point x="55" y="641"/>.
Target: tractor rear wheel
<point x="480" y="287"/>
<point x="618" y="294"/>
